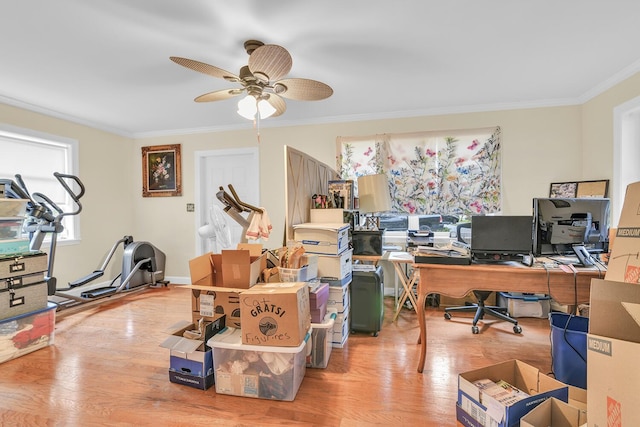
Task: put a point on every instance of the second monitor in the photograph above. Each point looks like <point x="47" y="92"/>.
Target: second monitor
<point x="501" y="237"/>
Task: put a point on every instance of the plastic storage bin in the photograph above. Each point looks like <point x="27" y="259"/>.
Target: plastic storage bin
<point x="321" y="342"/>
<point x="525" y="305"/>
<point x="264" y="372"/>
<point x="27" y="332"/>
<point x="569" y="348"/>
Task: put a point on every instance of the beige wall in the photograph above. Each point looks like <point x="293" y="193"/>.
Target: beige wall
<point x="540" y="146"/>
<point x="106" y="206"/>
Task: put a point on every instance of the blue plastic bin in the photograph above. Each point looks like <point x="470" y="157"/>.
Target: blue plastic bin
<point x="569" y="348"/>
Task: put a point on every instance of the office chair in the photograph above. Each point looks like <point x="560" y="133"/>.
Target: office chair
<point x="480" y="309"/>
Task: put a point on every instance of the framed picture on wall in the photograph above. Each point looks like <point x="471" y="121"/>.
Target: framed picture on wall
<point x="599" y="189"/>
<point x="593" y="188"/>
<point x="161" y="171"/>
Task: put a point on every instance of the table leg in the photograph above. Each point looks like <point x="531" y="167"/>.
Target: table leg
<point x="408" y="288"/>
<point x="422" y="339"/>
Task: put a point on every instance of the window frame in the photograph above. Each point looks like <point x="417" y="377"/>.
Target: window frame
<point x="72" y="166"/>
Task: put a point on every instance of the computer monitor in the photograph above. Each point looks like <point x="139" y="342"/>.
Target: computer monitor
<point x="562" y="223"/>
<point x="501" y="237"/>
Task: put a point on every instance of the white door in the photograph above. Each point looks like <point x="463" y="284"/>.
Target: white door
<point x="219" y="168"/>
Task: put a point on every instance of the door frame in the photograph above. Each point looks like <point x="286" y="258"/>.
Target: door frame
<point x="200" y="158"/>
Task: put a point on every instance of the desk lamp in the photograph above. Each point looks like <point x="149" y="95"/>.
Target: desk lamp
<point x="373" y="193"/>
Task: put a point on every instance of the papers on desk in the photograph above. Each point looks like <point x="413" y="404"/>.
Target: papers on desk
<point x="363" y="267"/>
<point x="434" y="255"/>
<point x="400" y="256"/>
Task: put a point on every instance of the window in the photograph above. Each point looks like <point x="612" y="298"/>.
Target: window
<point x="36" y="156"/>
<point x="446" y="174"/>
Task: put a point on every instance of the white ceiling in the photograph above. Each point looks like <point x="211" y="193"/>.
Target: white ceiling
<point x="106" y="63"/>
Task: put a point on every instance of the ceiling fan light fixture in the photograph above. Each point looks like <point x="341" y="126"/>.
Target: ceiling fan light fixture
<point x="248" y="107"/>
<point x="265" y="109"/>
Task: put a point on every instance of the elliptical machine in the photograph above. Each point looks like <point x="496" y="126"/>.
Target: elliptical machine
<point x="142" y="263"/>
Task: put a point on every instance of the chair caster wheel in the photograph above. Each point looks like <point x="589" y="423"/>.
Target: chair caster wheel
<point x="447" y="316"/>
<point x="475" y="329"/>
<point x="517" y="329"/>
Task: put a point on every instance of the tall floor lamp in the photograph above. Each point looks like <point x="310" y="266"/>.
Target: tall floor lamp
<point x="374" y="197"/>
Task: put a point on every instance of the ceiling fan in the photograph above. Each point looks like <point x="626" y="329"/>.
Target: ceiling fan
<point x="262" y="81"/>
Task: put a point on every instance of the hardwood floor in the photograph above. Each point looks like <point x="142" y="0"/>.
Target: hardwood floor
<point x="106" y="368"/>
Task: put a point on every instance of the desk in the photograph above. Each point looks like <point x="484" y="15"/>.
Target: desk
<point x="458" y="280"/>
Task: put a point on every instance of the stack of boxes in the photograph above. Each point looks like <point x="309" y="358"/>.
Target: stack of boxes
<point x="27" y="319"/>
<point x="262" y="353"/>
<point x="331" y="242"/>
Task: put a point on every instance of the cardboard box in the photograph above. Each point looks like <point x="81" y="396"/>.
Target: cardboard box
<point x="556" y="413"/>
<point x="210" y="301"/>
<point x="241" y="268"/>
<point x="266" y="372"/>
<point x="613" y="345"/>
<point x="539" y="386"/>
<point x="624" y="265"/>
<point x="234" y="268"/>
<point x="318" y="294"/>
<point x="205" y="270"/>
<point x="191" y="359"/>
<point x="322" y="238"/>
<point x="332" y="215"/>
<point x="338" y="266"/>
<point x="275" y="314"/>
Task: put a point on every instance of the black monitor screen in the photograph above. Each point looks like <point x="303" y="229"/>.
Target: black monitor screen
<point x="561" y="223"/>
<point x="502" y="236"/>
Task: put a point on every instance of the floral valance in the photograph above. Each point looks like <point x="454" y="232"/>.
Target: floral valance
<point x="447" y="172"/>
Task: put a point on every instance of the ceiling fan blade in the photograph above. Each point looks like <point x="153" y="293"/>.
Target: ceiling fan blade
<point x="201" y="67"/>
<point x="219" y="95"/>
<point x="302" y="89"/>
<point x="270" y="62"/>
<point x="278" y="103"/>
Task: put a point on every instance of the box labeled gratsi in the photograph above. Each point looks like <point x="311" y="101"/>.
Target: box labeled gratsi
<point x="275" y="314"/>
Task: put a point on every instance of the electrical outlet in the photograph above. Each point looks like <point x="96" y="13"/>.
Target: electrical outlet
<point x="191" y="207"/>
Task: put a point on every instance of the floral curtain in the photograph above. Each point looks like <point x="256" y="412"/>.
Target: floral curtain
<point x="445" y="172"/>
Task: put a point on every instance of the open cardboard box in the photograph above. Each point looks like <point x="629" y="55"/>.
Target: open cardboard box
<point x="233" y="268"/>
<point x="554" y="412"/>
<point x="191" y="359"/>
<point x="472" y="400"/>
<point x="613" y="345"/>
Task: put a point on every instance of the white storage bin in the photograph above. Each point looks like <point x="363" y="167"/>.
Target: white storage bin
<point x="322" y="238"/>
<point x="321" y="342"/>
<point x="524" y="305"/>
<point x="338" y="266"/>
<point x="264" y="372"/>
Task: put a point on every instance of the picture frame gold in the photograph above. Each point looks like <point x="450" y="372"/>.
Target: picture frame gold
<point x="161" y="171"/>
<point x="579" y="189"/>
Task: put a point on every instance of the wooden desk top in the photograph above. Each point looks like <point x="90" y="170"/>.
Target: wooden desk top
<point x="458" y="280"/>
